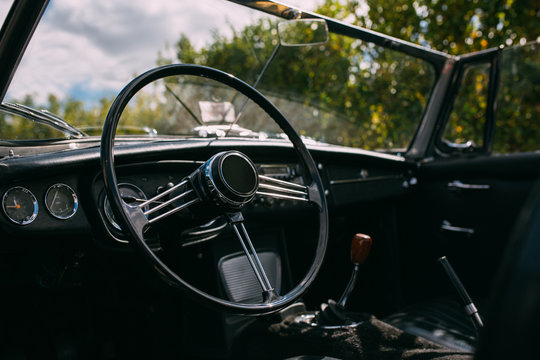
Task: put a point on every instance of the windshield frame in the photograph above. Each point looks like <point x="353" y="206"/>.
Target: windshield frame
<point x="279" y="9"/>
<point x="15" y="34"/>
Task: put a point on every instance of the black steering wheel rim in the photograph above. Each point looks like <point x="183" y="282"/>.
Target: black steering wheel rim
<point x="316" y="191"/>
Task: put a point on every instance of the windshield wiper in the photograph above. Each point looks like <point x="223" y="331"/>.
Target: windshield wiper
<point x="184" y="105"/>
<point x="43" y="117"/>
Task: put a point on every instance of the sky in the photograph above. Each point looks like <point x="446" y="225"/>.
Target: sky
<point x="90" y="48"/>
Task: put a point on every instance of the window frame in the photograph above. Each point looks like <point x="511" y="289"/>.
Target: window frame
<point x="492" y="57"/>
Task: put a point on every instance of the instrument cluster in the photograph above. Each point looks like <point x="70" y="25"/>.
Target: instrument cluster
<point x="47" y="206"/>
<point x="21" y="207"/>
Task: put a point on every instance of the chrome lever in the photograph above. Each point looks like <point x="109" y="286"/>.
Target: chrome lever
<point x="467" y="146"/>
<point x="458" y="185"/>
<point x="466" y="300"/>
<point x="446" y="226"/>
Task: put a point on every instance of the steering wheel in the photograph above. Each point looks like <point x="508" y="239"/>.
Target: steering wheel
<point x="226" y="182"/>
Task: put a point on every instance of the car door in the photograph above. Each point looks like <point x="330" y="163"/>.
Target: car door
<point x="477" y="173"/>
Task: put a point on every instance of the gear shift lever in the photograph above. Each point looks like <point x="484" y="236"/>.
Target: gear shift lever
<point x="360" y="248"/>
<point x="334" y="314"/>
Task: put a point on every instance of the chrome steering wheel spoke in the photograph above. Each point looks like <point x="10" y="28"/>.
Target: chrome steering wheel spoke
<point x="237" y="222"/>
<point x="156" y="198"/>
<point x="187" y="193"/>
<point x="138" y="219"/>
<point x="281" y="189"/>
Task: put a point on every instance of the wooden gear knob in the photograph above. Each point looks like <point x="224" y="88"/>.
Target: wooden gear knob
<point x="360" y="248"/>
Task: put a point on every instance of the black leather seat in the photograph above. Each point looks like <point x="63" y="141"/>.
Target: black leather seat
<point x="513" y="316"/>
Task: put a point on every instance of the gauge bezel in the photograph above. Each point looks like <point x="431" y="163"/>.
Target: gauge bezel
<point x="32" y="198"/>
<point x="75" y="201"/>
<point x="108" y="214"/>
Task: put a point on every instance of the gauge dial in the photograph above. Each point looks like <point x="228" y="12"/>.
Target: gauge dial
<point x="20" y="205"/>
<point x="61" y="201"/>
<point x="130" y="194"/>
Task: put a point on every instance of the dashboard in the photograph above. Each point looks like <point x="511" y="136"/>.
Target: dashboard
<point x="63" y="193"/>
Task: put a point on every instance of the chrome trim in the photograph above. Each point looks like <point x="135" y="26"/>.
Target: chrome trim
<point x="166" y="192"/>
<point x="109" y="215"/>
<point x="446" y="226"/>
<point x="175" y="210"/>
<point x="458" y="185"/>
<point x="207" y="231"/>
<point x="75" y="201"/>
<point x="350" y="287"/>
<point x="282" y="189"/>
<point x="204" y="232"/>
<point x="252" y="256"/>
<point x="32" y="198"/>
<point x="363" y="179"/>
<point x="43" y="117"/>
<point x="168" y="202"/>
<point x="469" y="145"/>
<point x="279" y="196"/>
<point x="470" y="309"/>
<point x="214" y="190"/>
<point x="198" y="241"/>
<point x="282" y="182"/>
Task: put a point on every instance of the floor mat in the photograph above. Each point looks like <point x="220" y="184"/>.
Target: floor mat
<point x="371" y="340"/>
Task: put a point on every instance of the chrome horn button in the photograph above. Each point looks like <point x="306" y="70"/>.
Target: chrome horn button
<point x="238" y="174"/>
<point x="230" y="179"/>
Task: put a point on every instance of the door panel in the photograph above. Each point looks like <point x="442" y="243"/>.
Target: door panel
<point x="464" y="209"/>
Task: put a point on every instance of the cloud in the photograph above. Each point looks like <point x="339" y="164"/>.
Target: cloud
<point x="4" y="8"/>
<point x="97" y="46"/>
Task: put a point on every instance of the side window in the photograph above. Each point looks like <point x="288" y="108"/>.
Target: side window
<point x="517" y="125"/>
<point x="465" y="126"/>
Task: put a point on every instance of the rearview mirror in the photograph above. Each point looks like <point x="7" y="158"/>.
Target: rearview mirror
<point x="303" y="32"/>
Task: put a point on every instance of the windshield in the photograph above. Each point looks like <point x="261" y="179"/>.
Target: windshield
<point x="343" y="92"/>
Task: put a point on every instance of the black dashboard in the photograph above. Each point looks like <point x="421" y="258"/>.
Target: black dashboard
<point x="62" y="193"/>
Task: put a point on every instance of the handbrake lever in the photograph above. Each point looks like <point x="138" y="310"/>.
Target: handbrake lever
<point x="468" y="304"/>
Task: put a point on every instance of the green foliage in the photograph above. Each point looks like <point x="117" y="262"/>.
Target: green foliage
<point x="467" y="119"/>
<point x="343" y="92"/>
<point x="453" y="26"/>
<point x="71" y="110"/>
<point x="463" y="26"/>
<point x="517" y="123"/>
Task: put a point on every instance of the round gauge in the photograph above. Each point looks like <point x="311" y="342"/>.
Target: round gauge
<point x="20" y="205"/>
<point x="61" y="201"/>
<point x="130" y="194"/>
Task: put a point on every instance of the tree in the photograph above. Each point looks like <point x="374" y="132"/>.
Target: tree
<point x="463" y="26"/>
<point x="453" y="26"/>
<point x="343" y="92"/>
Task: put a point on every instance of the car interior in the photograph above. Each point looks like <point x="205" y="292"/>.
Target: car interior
<point x="226" y="246"/>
